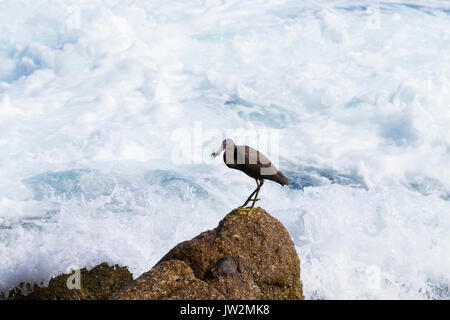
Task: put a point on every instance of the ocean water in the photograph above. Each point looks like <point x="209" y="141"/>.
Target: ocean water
<point x="109" y="111"/>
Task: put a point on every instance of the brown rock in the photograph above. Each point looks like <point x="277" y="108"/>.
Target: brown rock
<point x="250" y="255"/>
<point x="172" y="279"/>
<point x="100" y="283"/>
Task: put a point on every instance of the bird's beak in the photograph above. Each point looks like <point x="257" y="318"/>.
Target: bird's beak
<point x="218" y="152"/>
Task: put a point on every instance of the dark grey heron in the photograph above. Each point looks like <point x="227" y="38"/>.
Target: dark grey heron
<point x="251" y="162"/>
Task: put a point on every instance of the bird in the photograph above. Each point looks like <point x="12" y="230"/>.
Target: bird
<point x="251" y="162"/>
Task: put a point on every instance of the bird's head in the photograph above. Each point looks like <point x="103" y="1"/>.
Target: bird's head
<point x="227" y="144"/>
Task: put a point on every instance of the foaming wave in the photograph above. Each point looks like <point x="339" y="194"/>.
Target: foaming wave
<point x="91" y="94"/>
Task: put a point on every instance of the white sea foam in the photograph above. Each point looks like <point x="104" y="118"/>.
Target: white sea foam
<point x="91" y="93"/>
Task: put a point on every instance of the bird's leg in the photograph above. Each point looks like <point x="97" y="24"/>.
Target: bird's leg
<point x="261" y="182"/>
<point x="251" y="195"/>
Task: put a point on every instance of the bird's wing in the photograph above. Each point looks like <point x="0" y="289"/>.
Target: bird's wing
<point x="255" y="161"/>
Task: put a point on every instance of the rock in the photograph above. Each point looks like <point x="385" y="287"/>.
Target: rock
<point x="228" y="266"/>
<point x="100" y="283"/>
<point x="250" y="255"/>
<point x="172" y="279"/>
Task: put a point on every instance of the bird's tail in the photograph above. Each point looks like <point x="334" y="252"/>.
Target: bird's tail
<point x="281" y="179"/>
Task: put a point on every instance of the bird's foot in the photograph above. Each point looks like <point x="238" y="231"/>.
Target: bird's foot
<point x="246" y="208"/>
<point x="253" y="203"/>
